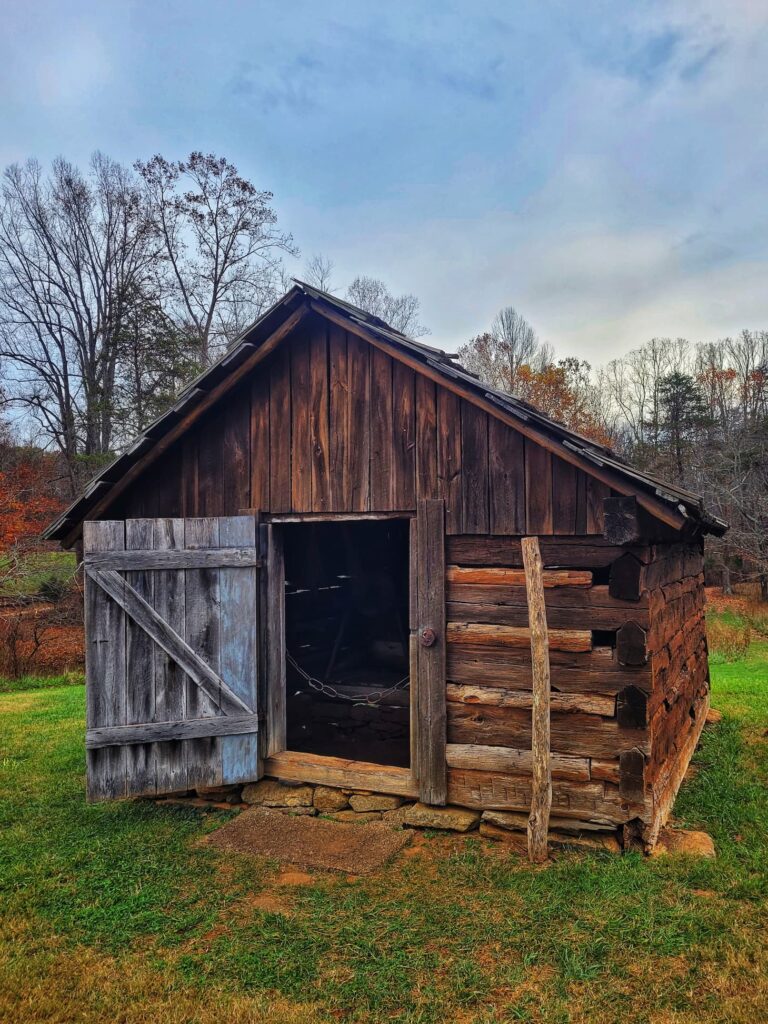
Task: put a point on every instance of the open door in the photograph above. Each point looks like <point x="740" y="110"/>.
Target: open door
<point x="172" y="651"/>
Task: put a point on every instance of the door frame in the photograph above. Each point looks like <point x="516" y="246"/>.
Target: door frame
<point x="323" y="769"/>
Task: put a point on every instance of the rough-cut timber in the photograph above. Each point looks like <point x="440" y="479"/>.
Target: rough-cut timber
<point x="323" y="412"/>
<point x="541" y="798"/>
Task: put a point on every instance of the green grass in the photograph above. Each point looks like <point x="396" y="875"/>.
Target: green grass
<point x="36" y="569"/>
<point x="115" y="912"/>
<point x="25" y="683"/>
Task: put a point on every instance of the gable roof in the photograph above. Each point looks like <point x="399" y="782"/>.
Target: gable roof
<point x="667" y="501"/>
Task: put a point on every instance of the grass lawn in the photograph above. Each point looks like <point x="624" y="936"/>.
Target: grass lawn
<point x="36" y="569"/>
<point x="115" y="913"/>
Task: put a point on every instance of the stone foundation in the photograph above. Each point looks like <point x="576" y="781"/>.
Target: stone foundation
<point x="360" y="806"/>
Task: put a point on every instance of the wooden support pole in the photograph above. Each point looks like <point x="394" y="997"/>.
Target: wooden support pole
<point x="541" y="795"/>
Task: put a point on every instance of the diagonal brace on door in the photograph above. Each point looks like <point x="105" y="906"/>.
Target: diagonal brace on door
<point x="145" y="616"/>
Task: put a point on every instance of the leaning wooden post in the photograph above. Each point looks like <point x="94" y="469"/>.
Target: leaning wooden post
<point x="541" y="796"/>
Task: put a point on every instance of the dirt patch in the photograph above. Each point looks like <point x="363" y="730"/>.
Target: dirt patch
<point x="308" y="842"/>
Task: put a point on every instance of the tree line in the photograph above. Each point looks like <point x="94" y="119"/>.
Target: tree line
<point x="692" y="413"/>
<point x="119" y="285"/>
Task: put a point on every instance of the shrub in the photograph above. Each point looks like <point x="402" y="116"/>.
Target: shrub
<point x="728" y="638"/>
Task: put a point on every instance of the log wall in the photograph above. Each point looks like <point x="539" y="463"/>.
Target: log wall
<point x="489" y="680"/>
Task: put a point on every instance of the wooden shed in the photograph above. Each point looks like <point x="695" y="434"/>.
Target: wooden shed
<point x="310" y="568"/>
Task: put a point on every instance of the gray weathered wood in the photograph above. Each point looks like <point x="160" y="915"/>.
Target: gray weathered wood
<point x="173" y="658"/>
<point x="218" y="693"/>
<point x="145" y="559"/>
<point x="541" y="789"/>
<point x="275" y="639"/>
<point x="140" y="662"/>
<point x="231" y="726"/>
<point x="430" y="722"/>
<point x="202" y="626"/>
<point x="105" y="668"/>
<point x="170" y="681"/>
<point x="239" y="645"/>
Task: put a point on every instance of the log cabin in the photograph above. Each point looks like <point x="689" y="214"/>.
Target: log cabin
<point x="309" y="568"/>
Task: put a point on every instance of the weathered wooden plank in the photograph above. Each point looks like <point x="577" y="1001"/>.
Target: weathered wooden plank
<point x="319" y="412"/>
<point x="538" y="489"/>
<point x="404" y="428"/>
<point x="632" y="776"/>
<point x="430" y="683"/>
<point x="588" y="801"/>
<point x="293" y="766"/>
<point x="140" y="761"/>
<point x="238" y="658"/>
<point x="170" y="681"/>
<point x="595" y="671"/>
<point x="509" y="760"/>
<point x="274" y="710"/>
<point x="340" y="437"/>
<point x="506" y="471"/>
<point x="210" y="464"/>
<point x="260" y="440"/>
<point x="474" y="477"/>
<point x="426" y="438"/>
<point x="597" y="492"/>
<point x="148" y="559"/>
<point x="105" y="667"/>
<point x="541" y="789"/>
<point x="156" y="733"/>
<point x="449" y="458"/>
<point x="510" y="577"/>
<point x="358" y="488"/>
<point x="560" y="615"/>
<point x="189" y="488"/>
<point x="572" y="552"/>
<point x="142" y="613"/>
<point x="301" y="438"/>
<point x="382" y="447"/>
<point x="571" y="733"/>
<point x="202" y="624"/>
<point x="564" y="497"/>
<point x="480" y="634"/>
<point x="235" y="452"/>
<point x="280" y="430"/>
<point x="506" y="697"/>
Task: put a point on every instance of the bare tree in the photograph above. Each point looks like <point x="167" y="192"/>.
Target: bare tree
<point x="318" y="271"/>
<point x="73" y="249"/>
<point x="222" y="248"/>
<point x="499" y="355"/>
<point x="399" y="311"/>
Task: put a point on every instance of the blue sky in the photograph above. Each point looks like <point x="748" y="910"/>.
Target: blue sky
<point x="603" y="166"/>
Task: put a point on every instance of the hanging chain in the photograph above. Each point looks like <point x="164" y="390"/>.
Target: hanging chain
<point x="327" y="690"/>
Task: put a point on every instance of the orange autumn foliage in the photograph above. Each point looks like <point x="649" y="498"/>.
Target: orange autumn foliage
<point x="28" y="499"/>
<point x="553" y="393"/>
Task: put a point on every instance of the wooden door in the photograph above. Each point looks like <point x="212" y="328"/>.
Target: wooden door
<point x="172" y="649"/>
<point x="428" y="712"/>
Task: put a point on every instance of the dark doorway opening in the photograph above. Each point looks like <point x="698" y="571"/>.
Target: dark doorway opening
<point x="346" y="637"/>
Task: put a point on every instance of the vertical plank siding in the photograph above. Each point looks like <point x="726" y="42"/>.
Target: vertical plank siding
<point x="330" y="424"/>
<point x="105" y="662"/>
<point x="170" y="681"/>
<point x="202" y="623"/>
<point x="140" y="695"/>
<point x="238" y="653"/>
<point x="134" y="684"/>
